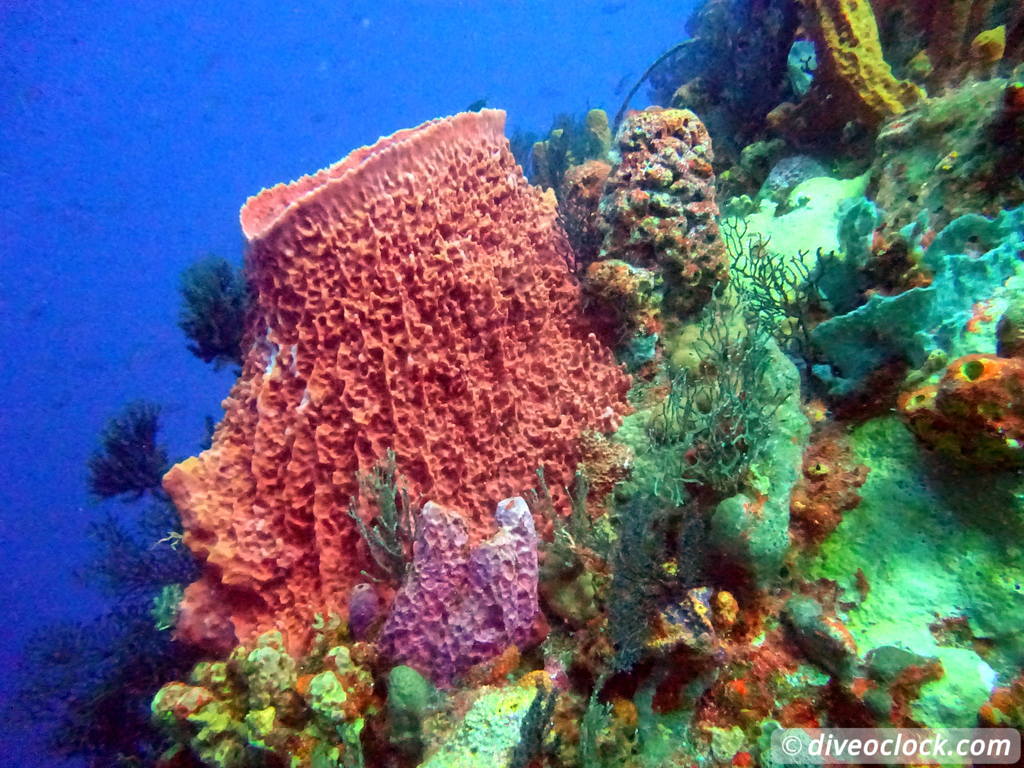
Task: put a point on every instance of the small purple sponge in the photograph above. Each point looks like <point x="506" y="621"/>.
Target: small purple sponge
<point x="459" y="607"/>
<point x="363" y="609"/>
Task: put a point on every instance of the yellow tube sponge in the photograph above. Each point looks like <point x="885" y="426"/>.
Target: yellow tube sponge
<point x="850" y="57"/>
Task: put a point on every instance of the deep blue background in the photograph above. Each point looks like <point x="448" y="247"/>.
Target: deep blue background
<point x="132" y="134"/>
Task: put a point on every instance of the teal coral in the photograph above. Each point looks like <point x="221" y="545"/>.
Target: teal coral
<point x="973" y="260"/>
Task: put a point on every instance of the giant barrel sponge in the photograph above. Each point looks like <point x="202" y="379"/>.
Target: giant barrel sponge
<point x="415" y="296"/>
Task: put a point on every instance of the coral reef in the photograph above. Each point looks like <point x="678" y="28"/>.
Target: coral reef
<point x="579" y="196"/>
<point x="827" y="489"/>
<point x="501" y="729"/>
<point x="751" y="468"/>
<point x="570" y="142"/>
<point x="733" y="70"/>
<point x="910" y="529"/>
<point x="948" y="156"/>
<point x="415" y="296"/>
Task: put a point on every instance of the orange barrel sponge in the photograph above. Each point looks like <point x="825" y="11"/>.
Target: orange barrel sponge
<point x="414" y="296"/>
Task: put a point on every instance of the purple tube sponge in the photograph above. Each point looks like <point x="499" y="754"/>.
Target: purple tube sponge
<point x="363" y="610"/>
<point x="459" y="607"/>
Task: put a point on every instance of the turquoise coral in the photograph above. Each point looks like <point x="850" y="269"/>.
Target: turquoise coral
<point x="974" y="260"/>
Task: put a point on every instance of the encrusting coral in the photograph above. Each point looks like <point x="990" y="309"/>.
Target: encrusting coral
<point x="414" y="296"/>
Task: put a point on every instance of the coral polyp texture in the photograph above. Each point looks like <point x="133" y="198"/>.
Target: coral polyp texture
<point x="658" y="209"/>
<point x="415" y="296"/>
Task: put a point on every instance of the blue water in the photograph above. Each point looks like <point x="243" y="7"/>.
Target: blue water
<point x="132" y="134"/>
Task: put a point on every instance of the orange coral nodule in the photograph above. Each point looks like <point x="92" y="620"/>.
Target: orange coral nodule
<point x="975" y="415"/>
<point x="414" y="296"/>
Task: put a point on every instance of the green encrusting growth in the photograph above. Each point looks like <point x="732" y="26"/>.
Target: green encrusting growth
<point x="491" y="732"/>
<point x="937" y="549"/>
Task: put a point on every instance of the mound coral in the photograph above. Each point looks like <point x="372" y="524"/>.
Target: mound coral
<point x="659" y="210"/>
<point x="414" y="296"/>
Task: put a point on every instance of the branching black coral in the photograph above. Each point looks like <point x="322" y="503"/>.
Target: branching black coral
<point x="89" y="685"/>
<point x="140" y="562"/>
<point x="214" y="302"/>
<point x="716" y="421"/>
<point x="129" y="462"/>
<point x="389" y="536"/>
<point x="780" y="295"/>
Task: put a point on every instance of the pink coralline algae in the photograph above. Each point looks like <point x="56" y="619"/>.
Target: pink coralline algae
<point x="459" y="607"/>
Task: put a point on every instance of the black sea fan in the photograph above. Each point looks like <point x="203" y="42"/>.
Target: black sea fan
<point x="214" y="301"/>
<point x="129" y="462"/>
<point x="87" y="686"/>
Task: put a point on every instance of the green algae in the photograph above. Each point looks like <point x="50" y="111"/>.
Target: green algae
<point x="932" y="544"/>
<point x="489" y="734"/>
